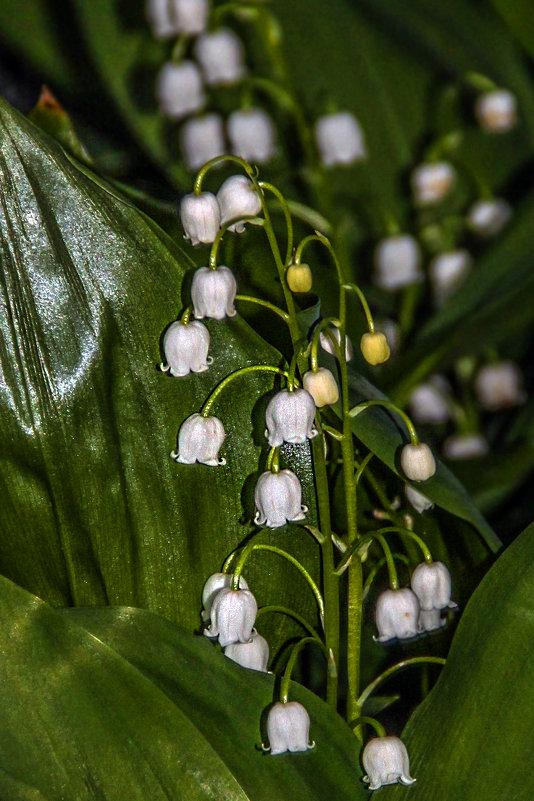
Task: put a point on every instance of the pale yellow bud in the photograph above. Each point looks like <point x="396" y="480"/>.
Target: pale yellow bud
<point x="299" y="278"/>
<point x="322" y="386"/>
<point x="375" y="348"/>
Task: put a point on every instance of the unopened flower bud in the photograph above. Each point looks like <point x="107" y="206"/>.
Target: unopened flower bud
<point x="322" y="386"/>
<point x="375" y="348"/>
<point x="465" y="446"/>
<point x="299" y="277"/>
<point x="238" y="198"/>
<point x="253" y="654"/>
<point x="432" y="182"/>
<point x="499" y="386"/>
<point x="288" y="728"/>
<point x="252" y="135"/>
<point x="221" y="56"/>
<point x="201" y="217"/>
<point x="233" y="613"/>
<point x="289" y="417"/>
<point x="396" y="615"/>
<point x="278" y="498"/>
<point x="447" y="272"/>
<point x="488" y="217"/>
<point x="428" y="403"/>
<point x="199" y="440"/>
<point x="216" y="582"/>
<point x="340" y="139"/>
<point x="419" y="501"/>
<point x="432" y="584"/>
<point x="417" y="462"/>
<point x="179" y="89"/>
<point x="202" y="138"/>
<point x="398" y="262"/>
<point x="496" y="111"/>
<point x="213" y="293"/>
<point x="386" y="761"/>
<point x="186" y="348"/>
<point x="326" y="343"/>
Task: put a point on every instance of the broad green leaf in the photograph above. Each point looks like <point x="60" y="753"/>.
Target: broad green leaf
<point x="471" y="738"/>
<point x="117" y="704"/>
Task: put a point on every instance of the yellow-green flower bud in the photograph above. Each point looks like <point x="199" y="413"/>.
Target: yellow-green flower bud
<point x="322" y="386"/>
<point x="375" y="348"/>
<point x="299" y="278"/>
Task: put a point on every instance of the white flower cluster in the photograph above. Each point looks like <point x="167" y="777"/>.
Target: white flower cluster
<point x="203" y="214"/>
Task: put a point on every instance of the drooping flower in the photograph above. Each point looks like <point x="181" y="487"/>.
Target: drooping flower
<point x="233" y="613"/>
<point x="488" y="217"/>
<point x="496" y="111"/>
<point x="417" y="462"/>
<point x="179" y="89"/>
<point x="398" y="262"/>
<point x="432" y="182"/>
<point x="322" y="386"/>
<point x="339" y="139"/>
<point x="186" y="348"/>
<point x="288" y="728"/>
<point x="396" y="615"/>
<point x="289" y="417"/>
<point x="199" y="440"/>
<point x="221" y="55"/>
<point x="216" y="582"/>
<point x="431" y="620"/>
<point x="465" y="446"/>
<point x="201" y="217"/>
<point x="175" y="17"/>
<point x="432" y="584"/>
<point x="253" y="654"/>
<point x="386" y="761"/>
<point x="238" y="198"/>
<point x="375" y="348"/>
<point x="213" y="293"/>
<point x="499" y="386"/>
<point x="252" y="135"/>
<point x="202" y="139"/>
<point x="419" y="501"/>
<point x="299" y="277"/>
<point x="447" y="273"/>
<point x="278" y="499"/>
<point x="326" y="344"/>
<point x="429" y="402"/>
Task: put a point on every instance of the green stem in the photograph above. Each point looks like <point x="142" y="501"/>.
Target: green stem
<point x="186" y="316"/>
<point x="253" y="368"/>
<point x="319" y="237"/>
<point x="363" y="719"/>
<point x="273" y="461"/>
<point x="416" y="660"/>
<point x="284" y="610"/>
<point x="363" y="300"/>
<point x="287" y="214"/>
<point x="295" y="650"/>
<point x="400" y="557"/>
<point x="392" y="571"/>
<point x="223" y="229"/>
<point x="324" y="325"/>
<point x="265" y="303"/>
<point x="248" y="169"/>
<point x="361" y="468"/>
<point x="361" y="407"/>
<point x="361" y="545"/>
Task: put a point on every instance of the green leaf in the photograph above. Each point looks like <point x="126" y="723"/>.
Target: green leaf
<point x="471" y="738"/>
<point x="119" y="704"/>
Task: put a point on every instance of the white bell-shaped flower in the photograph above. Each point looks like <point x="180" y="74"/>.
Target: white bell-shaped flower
<point x="431" y="620"/>
<point x="179" y="89"/>
<point x="398" y="262"/>
<point x="499" y="386"/>
<point x="327" y="345"/>
<point x="465" y="446"/>
<point x="253" y="654"/>
<point x="432" y="182"/>
<point x="447" y="273"/>
<point x="396" y="615"/>
<point x="289" y="417"/>
<point x="496" y="111"/>
<point x="429" y="402"/>
<point x="221" y="55"/>
<point x="488" y="217"/>
<point x="386" y="761"/>
<point x="252" y="135"/>
<point x="213" y="293"/>
<point x="288" y="728"/>
<point x="201" y="217"/>
<point x="278" y="499"/>
<point x="417" y="462"/>
<point x="199" y="440"/>
<point x="339" y="139"/>
<point x="419" y="501"/>
<point x="216" y="582"/>
<point x="322" y="386"/>
<point x="238" y="198"/>
<point x="233" y="613"/>
<point x="432" y="584"/>
<point x="201" y="139"/>
<point x="175" y="17"/>
<point x="186" y="348"/>
<point x="160" y="18"/>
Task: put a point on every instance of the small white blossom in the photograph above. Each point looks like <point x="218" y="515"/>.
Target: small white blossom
<point x="429" y="402"/>
<point x="289" y="417"/>
<point x="447" y="272"/>
<point x="326" y="344"/>
<point x="213" y="293"/>
<point x="201" y="217"/>
<point x="398" y="262"/>
<point x="431" y="620"/>
<point x="419" y="501"/>
<point x="465" y="446"/>
<point x="496" y="111"/>
<point x="288" y="728"/>
<point x="396" y="615"/>
<point x="201" y="139"/>
<point x="499" y="386"/>
<point x="233" y="613"/>
<point x="278" y="499"/>
<point x="386" y="761"/>
<point x="432" y="584"/>
<point x="238" y="198"/>
<point x="432" y="182"/>
<point x="253" y="654"/>
<point x="322" y="386"/>
<point x="417" y="462"/>
<point x="488" y="217"/>
<point x="199" y="440"/>
<point x="252" y="135"/>
<point x="339" y="139"/>
<point x="179" y="89"/>
<point x="216" y="582"/>
<point x="186" y="348"/>
<point x="160" y="18"/>
<point x="221" y="56"/>
<point x="175" y="17"/>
